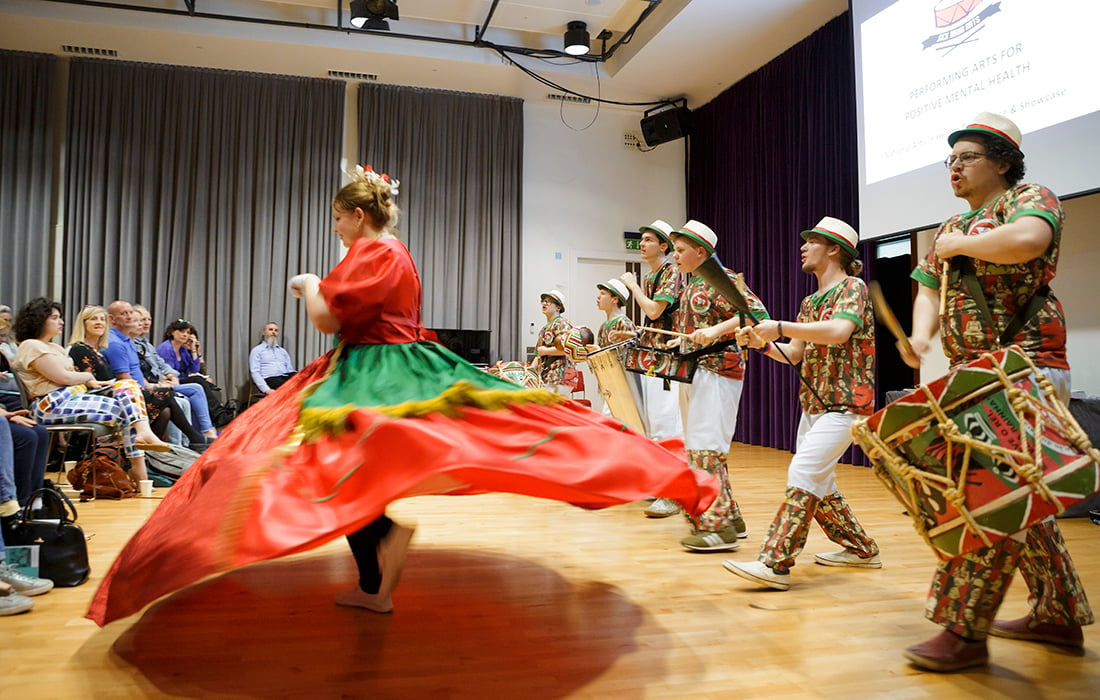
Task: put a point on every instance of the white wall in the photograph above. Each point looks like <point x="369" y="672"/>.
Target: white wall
<point x="581" y="191"/>
<point x="1076" y="286"/>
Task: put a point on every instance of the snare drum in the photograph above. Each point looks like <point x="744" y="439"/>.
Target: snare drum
<point x="517" y="373"/>
<point x="615" y="387"/>
<point x="980" y="454"/>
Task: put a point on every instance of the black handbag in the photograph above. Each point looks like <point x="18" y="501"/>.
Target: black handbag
<point x="62" y="548"/>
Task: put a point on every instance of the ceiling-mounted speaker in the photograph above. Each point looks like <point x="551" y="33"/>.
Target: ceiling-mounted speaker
<point x="666" y="125"/>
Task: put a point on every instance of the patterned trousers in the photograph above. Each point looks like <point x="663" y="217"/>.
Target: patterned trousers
<point x="787" y="534"/>
<point x="724" y="512"/>
<point x="967" y="590"/>
<point x="72" y="404"/>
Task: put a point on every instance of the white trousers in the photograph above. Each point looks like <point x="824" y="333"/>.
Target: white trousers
<point x="709" y="406"/>
<point x="822" y="440"/>
<point x="660" y="409"/>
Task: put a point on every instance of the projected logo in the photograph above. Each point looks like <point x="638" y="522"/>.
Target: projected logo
<point x="958" y="22"/>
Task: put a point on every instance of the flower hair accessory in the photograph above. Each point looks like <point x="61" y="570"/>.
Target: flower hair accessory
<point x="365" y="172"/>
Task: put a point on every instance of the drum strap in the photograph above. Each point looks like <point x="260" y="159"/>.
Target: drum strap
<point x="1024" y="314"/>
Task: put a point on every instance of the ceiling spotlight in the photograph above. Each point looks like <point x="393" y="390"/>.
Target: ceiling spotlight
<point x="576" y="38"/>
<point x="372" y="14"/>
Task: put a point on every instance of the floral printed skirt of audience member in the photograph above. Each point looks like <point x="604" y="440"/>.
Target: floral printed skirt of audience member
<point x="363" y="426"/>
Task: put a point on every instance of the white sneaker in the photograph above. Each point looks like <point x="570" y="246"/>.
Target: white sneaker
<point x="357" y="598"/>
<point x="11" y="603"/>
<point x="758" y="573"/>
<point x="662" y="508"/>
<point x="846" y="558"/>
<point x="23" y="584"/>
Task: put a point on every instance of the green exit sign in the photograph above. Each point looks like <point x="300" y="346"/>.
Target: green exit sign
<point x="632" y="240"/>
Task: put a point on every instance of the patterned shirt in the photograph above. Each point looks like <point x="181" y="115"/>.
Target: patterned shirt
<point x="842" y="375"/>
<point x="701" y="306"/>
<point x="964" y="331"/>
<point x="556" y="369"/>
<point x="663" y="284"/>
<point x="621" y="322"/>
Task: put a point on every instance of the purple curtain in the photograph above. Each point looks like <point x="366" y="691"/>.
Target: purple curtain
<point x="767" y="159"/>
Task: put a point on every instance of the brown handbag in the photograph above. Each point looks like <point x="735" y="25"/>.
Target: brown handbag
<point x="100" y="476"/>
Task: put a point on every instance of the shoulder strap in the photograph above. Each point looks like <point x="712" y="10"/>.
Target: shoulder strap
<point x="1024" y="314"/>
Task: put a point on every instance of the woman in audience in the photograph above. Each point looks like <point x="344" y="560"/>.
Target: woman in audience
<point x="157" y="370"/>
<point x="180" y="350"/>
<point x="60" y="394"/>
<point x="89" y="336"/>
<point x="7" y="348"/>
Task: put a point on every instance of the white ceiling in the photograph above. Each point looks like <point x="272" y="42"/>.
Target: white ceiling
<point x="685" y="48"/>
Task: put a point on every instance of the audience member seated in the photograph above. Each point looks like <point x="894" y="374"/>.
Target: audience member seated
<point x="269" y="363"/>
<point x="9" y="391"/>
<point x="123" y="364"/>
<point x="60" y="394"/>
<point x="157" y="370"/>
<point x="25" y="445"/>
<point x="182" y="352"/>
<point x="15" y="587"/>
<point x="7" y="347"/>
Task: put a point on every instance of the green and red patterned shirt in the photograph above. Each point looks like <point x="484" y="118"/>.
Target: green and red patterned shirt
<point x="701" y="306"/>
<point x="621" y="322"/>
<point x="663" y="284"/>
<point x="963" y="329"/>
<point x="842" y="375"/>
<point x="556" y="369"/>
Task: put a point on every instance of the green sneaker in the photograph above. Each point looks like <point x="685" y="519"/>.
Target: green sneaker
<point x="725" y="540"/>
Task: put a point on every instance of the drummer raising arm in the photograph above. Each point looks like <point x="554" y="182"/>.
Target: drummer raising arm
<point x="1007" y="248"/>
<point x="657" y="297"/>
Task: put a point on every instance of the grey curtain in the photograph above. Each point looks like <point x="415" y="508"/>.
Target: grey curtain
<point x="198" y="193"/>
<point x="459" y="158"/>
<point x="26" y="168"/>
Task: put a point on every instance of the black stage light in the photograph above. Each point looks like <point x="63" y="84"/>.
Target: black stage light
<point x="372" y="14"/>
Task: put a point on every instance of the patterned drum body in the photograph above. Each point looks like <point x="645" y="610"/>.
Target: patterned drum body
<point x="517" y="373"/>
<point x="980" y="454"/>
<point x="615" y="387"/>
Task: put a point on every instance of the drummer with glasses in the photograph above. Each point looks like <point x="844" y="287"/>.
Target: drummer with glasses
<point x="983" y="285"/>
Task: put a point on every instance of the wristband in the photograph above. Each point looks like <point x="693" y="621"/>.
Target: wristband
<point x="780" y="329"/>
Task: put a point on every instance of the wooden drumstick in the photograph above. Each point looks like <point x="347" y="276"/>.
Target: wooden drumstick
<point x="943" y="286"/>
<point x="664" y="332"/>
<point x="886" y="316"/>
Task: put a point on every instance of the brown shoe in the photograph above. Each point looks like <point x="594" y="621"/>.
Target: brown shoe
<point x="1028" y="629"/>
<point x="947" y="652"/>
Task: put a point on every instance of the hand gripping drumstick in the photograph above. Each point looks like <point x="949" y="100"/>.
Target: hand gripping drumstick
<point x="886" y="316"/>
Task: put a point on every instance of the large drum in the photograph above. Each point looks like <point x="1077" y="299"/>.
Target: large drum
<point x="980" y="454"/>
<point x="517" y="373"/>
<point x="615" y="388"/>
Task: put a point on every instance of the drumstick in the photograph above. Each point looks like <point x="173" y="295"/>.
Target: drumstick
<point x="886" y="316"/>
<point x="664" y="332"/>
<point x="943" y="286"/>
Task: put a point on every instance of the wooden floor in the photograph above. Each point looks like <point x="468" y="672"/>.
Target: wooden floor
<point x="510" y="597"/>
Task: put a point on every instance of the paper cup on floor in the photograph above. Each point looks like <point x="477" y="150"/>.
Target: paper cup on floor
<point x="145" y="486"/>
<point x="70" y="465"/>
